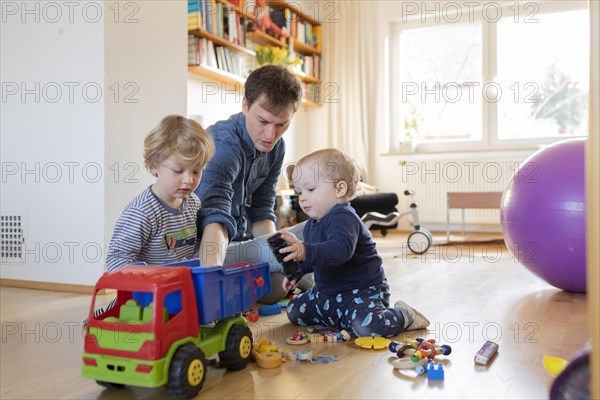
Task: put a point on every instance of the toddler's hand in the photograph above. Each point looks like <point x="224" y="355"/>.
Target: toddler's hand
<point x="295" y="251"/>
<point x="288" y="285"/>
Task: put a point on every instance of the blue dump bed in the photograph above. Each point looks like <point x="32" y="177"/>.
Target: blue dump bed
<point x="221" y="292"/>
<point x="226" y="291"/>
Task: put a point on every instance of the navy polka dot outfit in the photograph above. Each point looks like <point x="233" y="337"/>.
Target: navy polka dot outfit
<point x="351" y="291"/>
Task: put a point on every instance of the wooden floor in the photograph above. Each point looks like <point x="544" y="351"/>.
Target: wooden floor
<point x="470" y="293"/>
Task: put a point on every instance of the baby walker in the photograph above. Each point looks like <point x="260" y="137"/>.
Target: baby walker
<point x="418" y="241"/>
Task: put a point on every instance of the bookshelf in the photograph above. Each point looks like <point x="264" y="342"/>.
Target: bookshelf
<point x="305" y="38"/>
<point x="222" y="35"/>
<point x="217" y="44"/>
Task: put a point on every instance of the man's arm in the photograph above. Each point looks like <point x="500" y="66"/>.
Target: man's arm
<point x="263" y="227"/>
<point x="213" y="246"/>
<point x="263" y="198"/>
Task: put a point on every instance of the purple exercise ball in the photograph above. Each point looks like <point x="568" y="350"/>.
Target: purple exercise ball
<point x="543" y="215"/>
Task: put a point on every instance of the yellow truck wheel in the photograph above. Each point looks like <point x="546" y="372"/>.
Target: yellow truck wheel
<point x="238" y="349"/>
<point x="187" y="372"/>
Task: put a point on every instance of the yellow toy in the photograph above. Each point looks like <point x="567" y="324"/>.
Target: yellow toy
<point x="372" y="342"/>
<point x="554" y="365"/>
<point x="266" y="354"/>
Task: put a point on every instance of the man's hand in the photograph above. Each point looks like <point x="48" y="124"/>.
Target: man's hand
<point x="295" y="251"/>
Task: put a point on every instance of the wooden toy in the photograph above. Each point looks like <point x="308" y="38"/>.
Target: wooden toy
<point x="297" y="339"/>
<point x="266" y="354"/>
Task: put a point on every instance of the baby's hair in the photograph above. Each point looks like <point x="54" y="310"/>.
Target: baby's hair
<point x="180" y="137"/>
<point x="334" y="165"/>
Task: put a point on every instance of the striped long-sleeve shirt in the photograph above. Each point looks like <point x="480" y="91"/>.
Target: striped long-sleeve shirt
<point x="151" y="231"/>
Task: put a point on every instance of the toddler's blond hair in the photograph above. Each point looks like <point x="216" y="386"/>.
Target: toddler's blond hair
<point x="181" y="137"/>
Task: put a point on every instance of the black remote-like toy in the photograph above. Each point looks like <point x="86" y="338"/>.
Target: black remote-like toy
<point x="291" y="268"/>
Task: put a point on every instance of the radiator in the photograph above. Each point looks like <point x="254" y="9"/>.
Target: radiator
<point x="432" y="179"/>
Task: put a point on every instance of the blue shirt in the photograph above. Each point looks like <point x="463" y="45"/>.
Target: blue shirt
<point x="340" y="250"/>
<point x="238" y="184"/>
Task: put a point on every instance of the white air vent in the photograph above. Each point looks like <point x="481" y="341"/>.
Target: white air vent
<point x="12" y="237"/>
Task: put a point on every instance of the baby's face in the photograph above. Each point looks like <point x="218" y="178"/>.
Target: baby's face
<point x="316" y="192"/>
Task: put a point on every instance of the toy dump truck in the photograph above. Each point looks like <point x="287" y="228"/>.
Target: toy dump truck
<point x="167" y="320"/>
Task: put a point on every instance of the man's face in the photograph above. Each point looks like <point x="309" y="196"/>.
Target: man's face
<point x="265" y="129"/>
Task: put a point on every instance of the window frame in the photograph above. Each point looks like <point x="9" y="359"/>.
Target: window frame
<point x="489" y="137"/>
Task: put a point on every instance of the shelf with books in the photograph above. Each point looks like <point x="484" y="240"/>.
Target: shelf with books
<point x="217" y="61"/>
<point x="312" y="94"/>
<point x="263" y="39"/>
<point x="303" y="30"/>
<point x="218" y="75"/>
<point x="217" y="44"/>
<point x="241" y="7"/>
<point x="223" y="19"/>
<point x="293" y="7"/>
<point x="306" y="78"/>
<point x="310" y="104"/>
<point x="304" y="38"/>
<point x="223" y="36"/>
<point x="219" y="41"/>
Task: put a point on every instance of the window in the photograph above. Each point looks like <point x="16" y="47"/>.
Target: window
<point x="490" y="76"/>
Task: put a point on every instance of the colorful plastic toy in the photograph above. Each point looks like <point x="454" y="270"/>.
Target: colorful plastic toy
<point x="271" y="309"/>
<point x="555" y="365"/>
<point x="372" y="342"/>
<point x="407" y="363"/>
<point x="419" y="355"/>
<point x="435" y="371"/>
<point x="419" y="348"/>
<point x="157" y="334"/>
<point x="328" y="334"/>
<point x="298" y="338"/>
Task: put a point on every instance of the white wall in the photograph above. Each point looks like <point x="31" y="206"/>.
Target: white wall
<point x="70" y="163"/>
<point x="56" y="134"/>
<point x="209" y="102"/>
<point x="147" y="60"/>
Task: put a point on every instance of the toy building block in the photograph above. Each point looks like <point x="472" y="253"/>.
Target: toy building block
<point x="271" y="309"/>
<point x="435" y="371"/>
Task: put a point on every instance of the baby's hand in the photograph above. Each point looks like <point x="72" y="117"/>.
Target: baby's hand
<point x="295" y="251"/>
<point x="288" y="285"/>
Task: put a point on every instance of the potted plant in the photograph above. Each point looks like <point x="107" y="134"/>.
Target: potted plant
<point x="275" y="55"/>
<point x="413" y="122"/>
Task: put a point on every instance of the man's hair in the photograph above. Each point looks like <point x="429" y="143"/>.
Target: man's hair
<point x="334" y="166"/>
<point x="274" y="87"/>
<point x="180" y="137"/>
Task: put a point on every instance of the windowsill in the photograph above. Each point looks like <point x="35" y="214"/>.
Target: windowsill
<point x="519" y="153"/>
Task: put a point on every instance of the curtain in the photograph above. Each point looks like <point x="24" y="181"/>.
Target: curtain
<point x="348" y="41"/>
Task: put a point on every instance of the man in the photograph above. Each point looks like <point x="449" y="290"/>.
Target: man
<point x="237" y="189"/>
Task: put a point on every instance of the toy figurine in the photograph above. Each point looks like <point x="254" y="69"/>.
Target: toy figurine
<point x="265" y="23"/>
